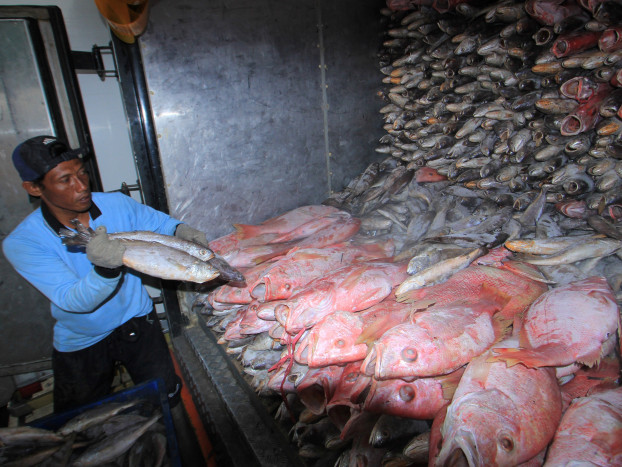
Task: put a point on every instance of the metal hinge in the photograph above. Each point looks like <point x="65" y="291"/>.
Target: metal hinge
<point x="93" y="62"/>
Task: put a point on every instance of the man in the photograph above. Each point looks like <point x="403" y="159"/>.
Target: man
<point x="103" y="312"/>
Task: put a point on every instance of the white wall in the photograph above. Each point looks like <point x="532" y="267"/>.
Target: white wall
<point x="102" y="100"/>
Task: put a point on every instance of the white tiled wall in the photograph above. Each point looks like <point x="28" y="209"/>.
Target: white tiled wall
<point x="102" y="100"/>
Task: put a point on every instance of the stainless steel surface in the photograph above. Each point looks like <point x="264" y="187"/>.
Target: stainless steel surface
<point x="237" y="92"/>
<point x="25" y="113"/>
<point x="239" y="427"/>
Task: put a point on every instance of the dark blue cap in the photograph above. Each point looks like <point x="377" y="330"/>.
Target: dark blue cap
<point x="37" y="156"/>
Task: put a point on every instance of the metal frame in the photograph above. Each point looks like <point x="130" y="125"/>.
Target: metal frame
<point x="146" y="152"/>
<point x="33" y="15"/>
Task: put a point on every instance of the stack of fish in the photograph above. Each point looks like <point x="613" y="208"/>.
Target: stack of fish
<point x="483" y="254"/>
<point x="115" y="433"/>
<point x="335" y="324"/>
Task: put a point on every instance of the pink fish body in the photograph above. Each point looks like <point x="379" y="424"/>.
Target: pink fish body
<point x="234" y="241"/>
<point x="467" y="284"/>
<point x="421" y="398"/>
<point x="301" y="266"/>
<point x="573" y="323"/>
<point x="343" y="337"/>
<point x="285" y="222"/>
<point x="352" y="288"/>
<point x="250" y="256"/>
<point x="500" y="415"/>
<point x="590" y="432"/>
<point x="551" y="12"/>
<point x="437" y="341"/>
<point x="336" y="232"/>
<point x="311" y="227"/>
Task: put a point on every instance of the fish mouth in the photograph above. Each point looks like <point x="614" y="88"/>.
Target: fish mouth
<point x="368" y="367"/>
<point x="457" y="459"/>
<point x="259" y="291"/>
<point x="281" y="313"/>
<point x="461" y="452"/>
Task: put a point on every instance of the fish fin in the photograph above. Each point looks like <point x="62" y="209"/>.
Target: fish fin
<point x="502" y="326"/>
<point x="526" y="270"/>
<point x="71" y="238"/>
<point x="374" y="330"/>
<point x="546" y="355"/>
<point x="278" y="251"/>
<point x="306" y="255"/>
<point x="592" y="359"/>
<point x="411" y="296"/>
<point x="247" y="230"/>
<point x="449" y="382"/>
<point x="421" y="305"/>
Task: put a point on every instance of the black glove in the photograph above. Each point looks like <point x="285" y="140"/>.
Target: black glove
<point x="185" y="232"/>
<point x="103" y="252"/>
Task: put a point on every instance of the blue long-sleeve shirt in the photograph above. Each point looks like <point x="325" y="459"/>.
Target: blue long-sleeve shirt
<point x="86" y="305"/>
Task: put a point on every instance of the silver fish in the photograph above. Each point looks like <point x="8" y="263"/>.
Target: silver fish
<point x="95" y="416"/>
<point x="155" y="259"/>
<point x="112" y="447"/>
<point x="439" y="272"/>
<point x="594" y="248"/>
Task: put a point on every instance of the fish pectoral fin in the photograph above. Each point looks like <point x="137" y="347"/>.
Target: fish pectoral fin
<point x="546" y="355"/>
<point x="502" y="326"/>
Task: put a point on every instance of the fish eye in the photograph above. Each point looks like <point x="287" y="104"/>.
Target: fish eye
<point x="506" y="442"/>
<point x="340" y="343"/>
<point x="288" y="286"/>
<point x="409" y="354"/>
<point x="407" y="393"/>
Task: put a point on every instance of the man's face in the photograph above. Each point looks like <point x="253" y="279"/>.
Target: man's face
<point x="66" y="188"/>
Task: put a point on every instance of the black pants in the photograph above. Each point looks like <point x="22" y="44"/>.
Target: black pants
<point x="86" y="375"/>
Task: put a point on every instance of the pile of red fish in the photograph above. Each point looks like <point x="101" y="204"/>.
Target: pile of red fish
<point x="505" y="367"/>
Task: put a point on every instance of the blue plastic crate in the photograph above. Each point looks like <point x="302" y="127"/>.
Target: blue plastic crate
<point x="151" y="391"/>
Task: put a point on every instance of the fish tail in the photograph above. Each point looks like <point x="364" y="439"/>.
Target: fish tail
<point x="71" y="238"/>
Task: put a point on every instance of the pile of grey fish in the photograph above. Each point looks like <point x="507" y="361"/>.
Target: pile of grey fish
<point x="115" y="433"/>
<point x="477" y="154"/>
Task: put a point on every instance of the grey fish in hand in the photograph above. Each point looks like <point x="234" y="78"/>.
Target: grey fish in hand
<point x="155" y="259"/>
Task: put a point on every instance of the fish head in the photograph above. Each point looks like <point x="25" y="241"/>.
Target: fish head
<point x="403" y="351"/>
<point x="333" y="340"/>
<point x="275" y="285"/>
<point x="477" y="431"/>
<point x="307" y="308"/>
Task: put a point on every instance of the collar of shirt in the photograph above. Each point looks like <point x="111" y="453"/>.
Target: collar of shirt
<point x="55" y="224"/>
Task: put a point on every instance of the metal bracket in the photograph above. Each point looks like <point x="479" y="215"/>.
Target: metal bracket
<point x="89" y="62"/>
<point x="126" y="189"/>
